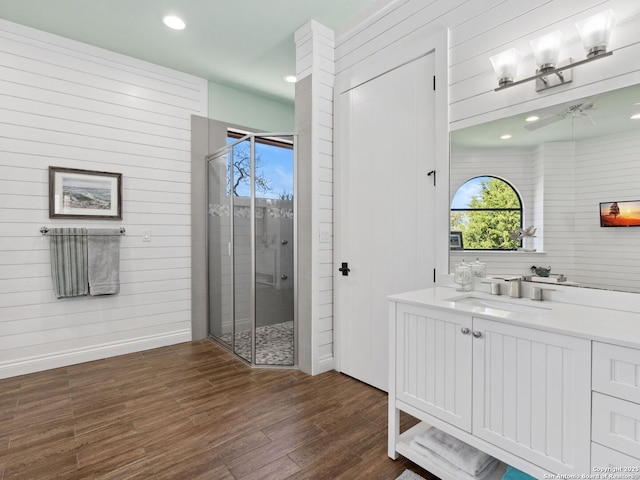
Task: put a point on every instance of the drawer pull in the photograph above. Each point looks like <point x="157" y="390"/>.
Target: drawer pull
<point x="477" y="333"/>
<point x="465" y="330"/>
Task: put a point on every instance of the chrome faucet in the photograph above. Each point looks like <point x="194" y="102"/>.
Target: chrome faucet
<point x="515" y="284"/>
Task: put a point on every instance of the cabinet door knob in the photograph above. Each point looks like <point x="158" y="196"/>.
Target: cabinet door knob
<point x="477" y="333"/>
<point x="465" y="330"/>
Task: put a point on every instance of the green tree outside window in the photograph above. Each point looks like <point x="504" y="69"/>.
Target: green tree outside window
<point x="486" y="210"/>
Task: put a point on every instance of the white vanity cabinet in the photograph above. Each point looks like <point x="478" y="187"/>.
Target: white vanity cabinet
<point x="531" y="394"/>
<point x="520" y="394"/>
<point x="433" y="363"/>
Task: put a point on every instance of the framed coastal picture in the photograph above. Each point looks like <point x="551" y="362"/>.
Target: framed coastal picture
<point x="75" y="193"/>
<point x="620" y="214"/>
<point x="455" y="241"/>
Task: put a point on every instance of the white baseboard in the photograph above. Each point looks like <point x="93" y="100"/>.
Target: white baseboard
<point x="95" y="352"/>
<point x="323" y="365"/>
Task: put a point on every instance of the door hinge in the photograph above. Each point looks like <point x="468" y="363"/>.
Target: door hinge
<point x="432" y="172"/>
<point x="434" y="275"/>
<point x="434" y="82"/>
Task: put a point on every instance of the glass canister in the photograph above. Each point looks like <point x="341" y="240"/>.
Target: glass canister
<point x="463" y="276"/>
<point x="478" y="268"/>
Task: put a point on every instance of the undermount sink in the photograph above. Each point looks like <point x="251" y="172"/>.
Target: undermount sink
<point x="498" y="304"/>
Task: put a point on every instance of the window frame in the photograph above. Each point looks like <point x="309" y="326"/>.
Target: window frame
<point x="511" y="209"/>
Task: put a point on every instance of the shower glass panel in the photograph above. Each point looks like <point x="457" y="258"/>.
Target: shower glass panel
<point x="219" y="250"/>
<point x="274" y="253"/>
<point x="241" y="192"/>
<point x="251" y="248"/>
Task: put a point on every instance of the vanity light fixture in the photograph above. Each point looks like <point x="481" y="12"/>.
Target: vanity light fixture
<point x="532" y="118"/>
<point x="290" y="78"/>
<point x="635" y="117"/>
<point x="595" y="33"/>
<point x="506" y="136"/>
<point x="174" y="22"/>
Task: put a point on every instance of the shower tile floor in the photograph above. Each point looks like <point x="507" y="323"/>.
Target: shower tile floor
<point x="274" y="344"/>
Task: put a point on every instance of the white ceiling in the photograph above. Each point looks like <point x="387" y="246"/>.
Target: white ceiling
<point x="245" y="44"/>
<point x="610" y="113"/>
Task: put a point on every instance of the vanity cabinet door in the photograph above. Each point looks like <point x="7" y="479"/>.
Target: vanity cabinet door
<point x="433" y="363"/>
<point x="532" y="396"/>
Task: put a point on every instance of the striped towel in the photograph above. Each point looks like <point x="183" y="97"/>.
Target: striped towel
<point x="69" y="270"/>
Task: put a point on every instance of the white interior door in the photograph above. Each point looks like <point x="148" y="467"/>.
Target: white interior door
<point x="384" y="211"/>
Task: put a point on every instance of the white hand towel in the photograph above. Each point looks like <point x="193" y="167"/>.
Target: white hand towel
<point x="454" y="451"/>
<point x="453" y="469"/>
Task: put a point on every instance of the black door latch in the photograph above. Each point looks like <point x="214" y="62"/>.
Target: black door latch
<point x="344" y="269"/>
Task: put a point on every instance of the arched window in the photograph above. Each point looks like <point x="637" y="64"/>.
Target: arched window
<point x="486" y="211"/>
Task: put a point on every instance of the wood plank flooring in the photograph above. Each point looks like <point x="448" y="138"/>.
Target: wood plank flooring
<point x="192" y="411"/>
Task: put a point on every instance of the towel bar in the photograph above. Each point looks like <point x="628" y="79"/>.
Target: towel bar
<point x="45" y="231"/>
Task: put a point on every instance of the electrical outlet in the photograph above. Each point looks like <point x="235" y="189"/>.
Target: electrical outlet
<point x="146" y="235"/>
<point x="325" y="235"/>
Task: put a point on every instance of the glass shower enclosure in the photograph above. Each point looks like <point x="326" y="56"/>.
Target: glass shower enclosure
<point x="251" y="247"/>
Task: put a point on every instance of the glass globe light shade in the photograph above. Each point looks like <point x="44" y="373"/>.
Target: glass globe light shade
<point x="505" y="65"/>
<point x="596" y="31"/>
<point x="546" y="50"/>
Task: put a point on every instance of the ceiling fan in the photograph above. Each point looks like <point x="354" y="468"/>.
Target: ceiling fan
<point x="577" y="111"/>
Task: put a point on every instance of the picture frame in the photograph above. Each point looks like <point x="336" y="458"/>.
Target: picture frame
<point x="455" y="241"/>
<point x="620" y="214"/>
<point x="76" y="193"/>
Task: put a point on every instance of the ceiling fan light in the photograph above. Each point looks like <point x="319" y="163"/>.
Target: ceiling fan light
<point x="546" y="50"/>
<point x="505" y="65"/>
<point x="596" y="31"/>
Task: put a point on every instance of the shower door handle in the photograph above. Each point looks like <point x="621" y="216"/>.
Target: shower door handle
<point x="344" y="269"/>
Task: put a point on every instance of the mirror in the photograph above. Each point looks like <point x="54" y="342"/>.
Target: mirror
<point x="575" y="157"/>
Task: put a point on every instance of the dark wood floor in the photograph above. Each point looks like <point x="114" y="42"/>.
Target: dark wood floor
<point x="192" y="411"/>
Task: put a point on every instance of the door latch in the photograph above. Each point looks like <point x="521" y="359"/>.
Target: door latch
<point x="344" y="269"/>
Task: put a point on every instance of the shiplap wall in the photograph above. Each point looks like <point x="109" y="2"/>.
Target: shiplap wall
<point x="609" y="171"/>
<point x="67" y="104"/>
<point x="315" y="58"/>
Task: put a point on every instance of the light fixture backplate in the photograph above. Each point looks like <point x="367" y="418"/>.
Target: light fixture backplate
<point x="555" y="79"/>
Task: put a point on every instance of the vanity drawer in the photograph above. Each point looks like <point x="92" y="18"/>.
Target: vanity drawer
<point x="615" y="423"/>
<point x="616" y="371"/>
<point x="605" y="461"/>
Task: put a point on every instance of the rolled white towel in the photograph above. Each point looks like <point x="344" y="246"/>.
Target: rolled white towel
<point x="463" y="456"/>
<point x="451" y="468"/>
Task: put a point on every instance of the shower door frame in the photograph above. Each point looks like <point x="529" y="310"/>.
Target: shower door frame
<point x="228" y="150"/>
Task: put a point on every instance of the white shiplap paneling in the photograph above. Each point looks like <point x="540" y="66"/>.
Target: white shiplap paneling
<point x="315" y="57"/>
<point x="63" y="103"/>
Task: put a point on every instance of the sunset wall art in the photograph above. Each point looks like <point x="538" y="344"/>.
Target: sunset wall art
<point x="620" y="214"/>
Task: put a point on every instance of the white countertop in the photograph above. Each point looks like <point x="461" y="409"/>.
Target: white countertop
<point x="601" y="324"/>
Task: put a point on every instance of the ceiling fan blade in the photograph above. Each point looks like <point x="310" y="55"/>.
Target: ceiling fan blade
<point x="584" y="120"/>
<point x="545" y="121"/>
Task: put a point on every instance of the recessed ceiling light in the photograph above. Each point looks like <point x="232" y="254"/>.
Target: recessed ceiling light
<point x="506" y="136"/>
<point x="532" y="118"/>
<point x="290" y="78"/>
<point x="635" y="117"/>
<point x="174" y="22"/>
